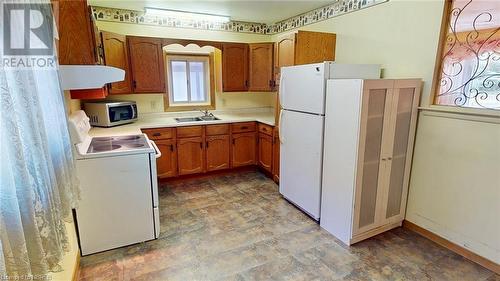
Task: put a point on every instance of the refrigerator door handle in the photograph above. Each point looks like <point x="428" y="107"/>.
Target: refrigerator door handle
<point x="280" y="132"/>
<point x="281" y="90"/>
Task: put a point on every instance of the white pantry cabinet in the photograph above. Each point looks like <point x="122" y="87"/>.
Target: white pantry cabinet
<point x="369" y="134"/>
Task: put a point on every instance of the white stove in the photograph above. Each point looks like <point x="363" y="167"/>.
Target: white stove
<point x="119" y="187"/>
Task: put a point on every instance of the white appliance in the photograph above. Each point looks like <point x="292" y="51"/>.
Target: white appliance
<point x="302" y="99"/>
<point x="79" y="77"/>
<point x="111" y="113"/>
<point x="119" y="188"/>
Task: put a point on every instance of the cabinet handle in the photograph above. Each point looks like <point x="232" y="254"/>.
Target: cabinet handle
<point x="246" y="83"/>
<point x="207" y="144"/>
<point x="156" y="134"/>
<point x="172" y="147"/>
<point x="134" y="84"/>
<point x="244" y="127"/>
<point x="201" y="145"/>
<point x="389" y="158"/>
<point x="233" y="141"/>
<point x="383" y="159"/>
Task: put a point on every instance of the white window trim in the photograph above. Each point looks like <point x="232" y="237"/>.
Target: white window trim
<point x="188" y="58"/>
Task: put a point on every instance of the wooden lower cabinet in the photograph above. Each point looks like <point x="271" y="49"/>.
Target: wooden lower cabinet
<point x="276" y="156"/>
<point x="265" y="152"/>
<point x="217" y="152"/>
<point x="191" y="155"/>
<point x="166" y="165"/>
<point x="244" y="149"/>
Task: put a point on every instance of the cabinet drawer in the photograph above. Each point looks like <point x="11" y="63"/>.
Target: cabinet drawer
<point x="243" y="127"/>
<point x="266" y="129"/>
<point x="160" y="133"/>
<point x="188" y="132"/>
<point x="213" y="130"/>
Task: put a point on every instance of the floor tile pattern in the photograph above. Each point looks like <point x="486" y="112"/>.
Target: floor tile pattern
<point x="238" y="227"/>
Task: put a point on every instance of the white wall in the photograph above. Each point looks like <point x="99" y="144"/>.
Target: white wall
<point x="455" y="182"/>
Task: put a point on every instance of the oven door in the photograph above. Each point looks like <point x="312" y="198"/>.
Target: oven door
<point x="122" y="114"/>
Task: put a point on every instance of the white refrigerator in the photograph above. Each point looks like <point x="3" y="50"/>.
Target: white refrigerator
<point x="302" y="118"/>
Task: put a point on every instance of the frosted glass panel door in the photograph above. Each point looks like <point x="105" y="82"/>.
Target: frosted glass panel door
<point x="404" y="104"/>
<point x="375" y="116"/>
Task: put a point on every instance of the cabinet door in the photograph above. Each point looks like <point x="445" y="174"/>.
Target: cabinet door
<point x="404" y="115"/>
<point x="261" y="67"/>
<point x="166" y="165"/>
<point x="191" y="154"/>
<point x="116" y="54"/>
<point x="217" y="150"/>
<point x="265" y="152"/>
<point x="375" y="119"/>
<point x="234" y="67"/>
<point x="146" y="62"/>
<point x="243" y="150"/>
<point x="284" y="54"/>
<point x="276" y="156"/>
<point x="76" y="43"/>
<point x="314" y="47"/>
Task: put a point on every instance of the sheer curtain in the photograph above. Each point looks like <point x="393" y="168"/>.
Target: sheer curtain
<point x="38" y="185"/>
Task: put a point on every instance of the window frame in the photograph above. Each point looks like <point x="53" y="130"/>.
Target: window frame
<point x="209" y="79"/>
<point x="436" y="77"/>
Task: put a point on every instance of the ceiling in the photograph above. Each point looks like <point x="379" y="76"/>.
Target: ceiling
<point x="239" y="10"/>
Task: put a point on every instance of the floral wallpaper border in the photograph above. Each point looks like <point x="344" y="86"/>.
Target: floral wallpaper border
<point x="338" y="8"/>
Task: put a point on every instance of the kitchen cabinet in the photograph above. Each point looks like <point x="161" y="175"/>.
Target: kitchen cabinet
<point x="116" y="54"/>
<point x="261" y="67"/>
<point x="191" y="155"/>
<point x="302" y="47"/>
<point x="265" y="152"/>
<point x="276" y="155"/>
<point x="77" y="40"/>
<point x="166" y="165"/>
<point x="234" y="67"/>
<point x="146" y="64"/>
<point x="164" y="138"/>
<point x="217" y="152"/>
<point x="369" y="167"/>
<point x="243" y="149"/>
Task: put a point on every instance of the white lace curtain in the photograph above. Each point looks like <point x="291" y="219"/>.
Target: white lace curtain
<point x="38" y="185"/>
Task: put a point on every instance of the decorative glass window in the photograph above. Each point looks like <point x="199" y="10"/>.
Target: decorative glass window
<point x="188" y="80"/>
<point x="470" y="62"/>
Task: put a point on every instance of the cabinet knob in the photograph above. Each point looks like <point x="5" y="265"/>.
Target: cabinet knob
<point x="156" y="134"/>
<point x="389" y="158"/>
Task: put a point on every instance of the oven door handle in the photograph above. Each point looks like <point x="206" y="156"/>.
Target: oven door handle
<point x="157" y="151"/>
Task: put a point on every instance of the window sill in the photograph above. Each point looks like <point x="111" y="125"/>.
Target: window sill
<point x="471" y="114"/>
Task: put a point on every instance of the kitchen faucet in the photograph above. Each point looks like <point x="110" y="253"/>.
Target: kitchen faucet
<point x="206" y="113"/>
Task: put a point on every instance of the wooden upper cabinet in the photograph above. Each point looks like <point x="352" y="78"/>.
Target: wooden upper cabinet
<point x="217" y="151"/>
<point x="284" y="53"/>
<point x="146" y="63"/>
<point x="191" y="155"/>
<point x="116" y="54"/>
<point x="77" y="42"/>
<point x="313" y="47"/>
<point x="260" y="72"/>
<point x="265" y="152"/>
<point x="234" y="67"/>
<point x="244" y="149"/>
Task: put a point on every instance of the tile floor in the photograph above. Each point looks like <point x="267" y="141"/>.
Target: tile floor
<point x="238" y="227"/>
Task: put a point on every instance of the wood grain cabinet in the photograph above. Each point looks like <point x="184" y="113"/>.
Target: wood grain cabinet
<point x="191" y="155"/>
<point x="265" y="152"/>
<point x="77" y="39"/>
<point x="116" y="54"/>
<point x="235" y="67"/>
<point x="164" y="138"/>
<point x="217" y="150"/>
<point x="364" y="192"/>
<point x="146" y="63"/>
<point x="276" y="155"/>
<point x="260" y="59"/>
<point x="303" y="47"/>
<point x="243" y="152"/>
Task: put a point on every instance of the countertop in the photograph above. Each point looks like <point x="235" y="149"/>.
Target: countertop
<point x="167" y="119"/>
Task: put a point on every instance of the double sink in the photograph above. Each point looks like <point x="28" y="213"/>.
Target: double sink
<point x="196" y="119"/>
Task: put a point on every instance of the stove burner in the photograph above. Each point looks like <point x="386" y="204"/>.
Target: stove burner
<point x="103" y="147"/>
<point x="131" y="145"/>
<point x="126" y="138"/>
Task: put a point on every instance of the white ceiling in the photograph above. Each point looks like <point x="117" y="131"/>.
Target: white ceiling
<point x="239" y="10"/>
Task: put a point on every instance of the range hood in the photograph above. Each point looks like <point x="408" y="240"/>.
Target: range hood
<point x="82" y="77"/>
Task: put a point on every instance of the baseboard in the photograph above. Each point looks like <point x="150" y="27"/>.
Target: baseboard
<point x="453" y="247"/>
<point x="76" y="270"/>
<point x="207" y="175"/>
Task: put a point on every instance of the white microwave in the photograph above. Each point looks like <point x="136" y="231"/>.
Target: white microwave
<point x="111" y="113"/>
